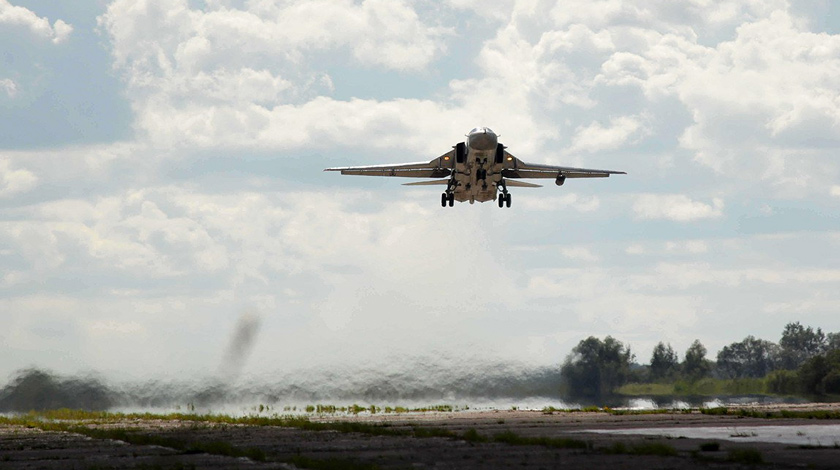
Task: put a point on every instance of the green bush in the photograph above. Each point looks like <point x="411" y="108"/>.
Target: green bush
<point x="471" y="435"/>
<point x="783" y="382"/>
<point x="830" y="384"/>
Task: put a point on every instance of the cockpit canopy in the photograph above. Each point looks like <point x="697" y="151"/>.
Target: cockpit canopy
<point x="482" y="130"/>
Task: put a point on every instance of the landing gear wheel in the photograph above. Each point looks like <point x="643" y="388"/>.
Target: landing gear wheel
<point x="443" y="200"/>
<point x="451" y="199"/>
<point x="501" y="200"/>
<point x="507" y="200"/>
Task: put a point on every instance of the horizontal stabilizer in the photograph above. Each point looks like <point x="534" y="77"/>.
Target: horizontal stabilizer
<point x="522" y="184"/>
<point x="427" y="183"/>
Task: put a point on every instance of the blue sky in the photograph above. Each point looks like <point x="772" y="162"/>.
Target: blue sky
<point x="160" y="174"/>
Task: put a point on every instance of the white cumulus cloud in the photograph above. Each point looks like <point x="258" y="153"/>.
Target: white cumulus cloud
<point x="224" y="76"/>
<point x="618" y="133"/>
<point x="15" y="180"/>
<point x="9" y="86"/>
<point x="677" y="207"/>
<point x="20" y="16"/>
<point x="763" y="104"/>
<point x="544" y="202"/>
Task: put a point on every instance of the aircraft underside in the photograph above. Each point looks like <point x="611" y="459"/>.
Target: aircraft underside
<point x="479" y="169"/>
<point x="474" y="184"/>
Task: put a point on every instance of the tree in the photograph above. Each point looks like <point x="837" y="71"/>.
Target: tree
<point x="696" y="366"/>
<point x="811" y="374"/>
<point x="821" y="374"/>
<point x="663" y="362"/>
<point x="595" y="368"/>
<point x="34" y="389"/>
<point x="798" y="344"/>
<point x="832" y="341"/>
<point x="751" y="357"/>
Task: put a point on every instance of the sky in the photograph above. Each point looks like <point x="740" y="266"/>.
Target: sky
<point x="161" y="180"/>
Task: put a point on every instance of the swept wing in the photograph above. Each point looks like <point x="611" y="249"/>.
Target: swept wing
<point x="516" y="168"/>
<point x="440" y="167"/>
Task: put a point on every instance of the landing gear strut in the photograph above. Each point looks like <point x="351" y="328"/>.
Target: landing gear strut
<point x="448" y="196"/>
<point x="504" y="197"/>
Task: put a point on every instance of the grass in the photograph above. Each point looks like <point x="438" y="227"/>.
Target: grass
<point x="648" y="389"/>
<point x="471" y="435"/>
<point x="658" y="411"/>
<point x="373" y="409"/>
<point x="702" y="387"/>
<point x="511" y="438"/>
<point x="137" y="437"/>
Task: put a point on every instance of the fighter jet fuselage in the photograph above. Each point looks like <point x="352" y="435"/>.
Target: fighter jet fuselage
<point x="479" y="169"/>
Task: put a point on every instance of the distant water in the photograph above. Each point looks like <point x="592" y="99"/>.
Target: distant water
<point x="678" y="403"/>
<point x="825" y="435"/>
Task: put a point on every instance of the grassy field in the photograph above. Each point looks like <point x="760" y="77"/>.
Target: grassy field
<point x="704" y="387"/>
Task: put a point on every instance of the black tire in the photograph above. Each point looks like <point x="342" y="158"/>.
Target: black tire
<point x="501" y="200"/>
<point x="451" y="199"/>
<point x="507" y="200"/>
<point x="443" y="200"/>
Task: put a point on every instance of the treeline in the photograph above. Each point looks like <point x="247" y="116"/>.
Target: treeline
<point x="804" y="361"/>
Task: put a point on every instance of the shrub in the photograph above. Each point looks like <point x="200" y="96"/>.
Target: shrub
<point x="783" y="382"/>
<point x="710" y="446"/>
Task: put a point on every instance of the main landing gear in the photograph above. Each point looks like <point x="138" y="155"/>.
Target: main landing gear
<point x="504" y="197"/>
<point x="448" y="196"/>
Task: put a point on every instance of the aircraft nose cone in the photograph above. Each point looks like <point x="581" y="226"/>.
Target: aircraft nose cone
<point x="483" y="140"/>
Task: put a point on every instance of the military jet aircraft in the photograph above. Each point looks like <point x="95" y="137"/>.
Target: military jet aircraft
<point x="479" y="169"/>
